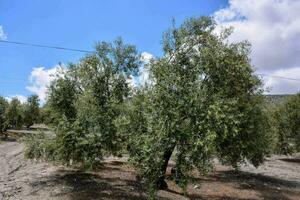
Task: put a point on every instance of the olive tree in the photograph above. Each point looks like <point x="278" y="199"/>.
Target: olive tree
<point x="31" y="111"/>
<point x="288" y="124"/>
<point x="204" y="101"/>
<point x="15" y="114"/>
<point x="87" y="98"/>
<point x="3" y="108"/>
<point x="62" y="96"/>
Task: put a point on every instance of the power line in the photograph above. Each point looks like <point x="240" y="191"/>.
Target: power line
<point x="46" y="46"/>
<point x="281" y="77"/>
<point x="88" y="51"/>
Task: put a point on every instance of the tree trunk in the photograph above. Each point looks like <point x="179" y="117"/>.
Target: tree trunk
<point x="5" y="135"/>
<point x="28" y="126"/>
<point x="161" y="183"/>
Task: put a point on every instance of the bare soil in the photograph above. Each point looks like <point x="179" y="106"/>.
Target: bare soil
<point x="278" y="178"/>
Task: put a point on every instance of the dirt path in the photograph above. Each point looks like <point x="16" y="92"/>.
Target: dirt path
<point x="17" y="174"/>
<point x="278" y="178"/>
<point x="281" y="167"/>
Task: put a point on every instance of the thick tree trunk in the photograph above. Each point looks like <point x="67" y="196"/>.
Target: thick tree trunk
<point x="161" y="183"/>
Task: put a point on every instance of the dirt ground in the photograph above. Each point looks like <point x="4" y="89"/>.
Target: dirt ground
<point x="278" y="178"/>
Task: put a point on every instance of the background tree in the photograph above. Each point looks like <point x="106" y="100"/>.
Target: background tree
<point x="15" y="114"/>
<point x="3" y="109"/>
<point x="271" y="109"/>
<point x="62" y="96"/>
<point x="288" y="120"/>
<point x="87" y="97"/>
<point x="46" y="115"/>
<point x="205" y="102"/>
<point x="31" y="111"/>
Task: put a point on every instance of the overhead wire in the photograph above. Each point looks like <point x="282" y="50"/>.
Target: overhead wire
<point x="46" y="46"/>
<point x="89" y="51"/>
<point x="280" y="77"/>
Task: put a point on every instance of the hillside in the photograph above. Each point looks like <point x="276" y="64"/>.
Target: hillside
<point x="277" y="98"/>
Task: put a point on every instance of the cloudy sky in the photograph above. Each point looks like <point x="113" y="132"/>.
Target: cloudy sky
<point x="271" y="26"/>
<point x="273" y="29"/>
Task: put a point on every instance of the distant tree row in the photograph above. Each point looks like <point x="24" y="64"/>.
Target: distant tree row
<point x="286" y="124"/>
<point x="202" y="101"/>
<point x="14" y="114"/>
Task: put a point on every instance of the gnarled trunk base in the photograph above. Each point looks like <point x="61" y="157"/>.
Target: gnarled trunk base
<point x="161" y="183"/>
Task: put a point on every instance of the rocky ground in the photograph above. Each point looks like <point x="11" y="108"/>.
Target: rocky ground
<point x="278" y="178"/>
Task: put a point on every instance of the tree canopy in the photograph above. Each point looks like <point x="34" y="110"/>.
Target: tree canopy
<point x="3" y="109"/>
<point x="15" y="114"/>
<point x="31" y="111"/>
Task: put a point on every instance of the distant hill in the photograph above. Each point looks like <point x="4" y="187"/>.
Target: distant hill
<point x="277" y="98"/>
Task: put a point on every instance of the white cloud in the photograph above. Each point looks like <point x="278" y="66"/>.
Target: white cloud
<point x="2" y="34"/>
<point x="143" y="78"/>
<point x="273" y="29"/>
<point x="21" y="98"/>
<point x="40" y="79"/>
<point x="146" y="57"/>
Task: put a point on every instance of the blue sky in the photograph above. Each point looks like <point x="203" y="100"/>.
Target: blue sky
<point x="79" y="24"/>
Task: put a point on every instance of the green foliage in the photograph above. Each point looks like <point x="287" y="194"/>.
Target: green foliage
<point x="3" y="109"/>
<point x="15" y="114"/>
<point x="205" y="102"/>
<point x="85" y="100"/>
<point x="276" y="99"/>
<point x="62" y="96"/>
<point x="31" y="111"/>
<point x="40" y="146"/>
<point x="288" y="118"/>
<point x="271" y="107"/>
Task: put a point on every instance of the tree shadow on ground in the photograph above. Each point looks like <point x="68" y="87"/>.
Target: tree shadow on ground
<point x="80" y="185"/>
<point x="292" y="160"/>
<point x="7" y="139"/>
<point x="267" y="187"/>
<point x="115" y="181"/>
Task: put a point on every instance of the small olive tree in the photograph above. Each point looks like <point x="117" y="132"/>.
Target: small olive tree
<point x="15" y="114"/>
<point x="31" y="111"/>
<point x="3" y="109"/>
<point x="62" y="96"/>
<point x="86" y="98"/>
<point x="204" y="101"/>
